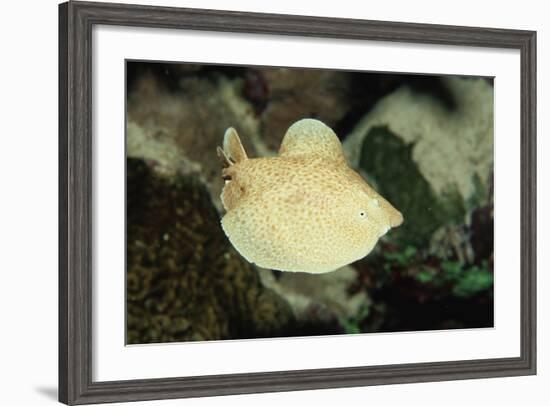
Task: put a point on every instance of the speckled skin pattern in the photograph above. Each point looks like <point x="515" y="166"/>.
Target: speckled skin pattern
<point x="305" y="210"/>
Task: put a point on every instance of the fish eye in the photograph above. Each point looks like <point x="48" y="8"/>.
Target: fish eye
<point x="362" y="214"/>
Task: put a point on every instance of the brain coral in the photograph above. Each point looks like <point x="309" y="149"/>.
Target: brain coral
<point x="184" y="281"/>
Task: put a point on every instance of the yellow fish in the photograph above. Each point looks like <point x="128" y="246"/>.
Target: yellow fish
<point x="304" y="210"/>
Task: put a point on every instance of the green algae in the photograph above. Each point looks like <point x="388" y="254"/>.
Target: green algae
<point x="387" y="160"/>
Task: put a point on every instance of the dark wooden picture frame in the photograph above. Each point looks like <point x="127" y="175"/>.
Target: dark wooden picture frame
<point x="76" y="20"/>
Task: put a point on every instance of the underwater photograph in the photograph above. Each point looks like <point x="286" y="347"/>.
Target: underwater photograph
<point x="266" y="202"/>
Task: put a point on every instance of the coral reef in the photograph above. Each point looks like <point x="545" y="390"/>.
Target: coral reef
<point x="302" y="93"/>
<point x="452" y="143"/>
<point x="319" y="298"/>
<point x="184" y="281"/>
<point x="411" y="290"/>
<point x="178" y="129"/>
<point x="432" y="157"/>
<point x="423" y="142"/>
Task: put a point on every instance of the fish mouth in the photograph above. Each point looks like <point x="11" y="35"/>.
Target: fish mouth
<point x="394" y="220"/>
<point x="384" y="231"/>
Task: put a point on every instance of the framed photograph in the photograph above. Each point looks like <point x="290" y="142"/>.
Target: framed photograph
<point x="259" y="202"/>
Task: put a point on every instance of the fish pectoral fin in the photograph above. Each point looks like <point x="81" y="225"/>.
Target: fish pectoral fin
<point x="310" y="136"/>
<point x="233" y="149"/>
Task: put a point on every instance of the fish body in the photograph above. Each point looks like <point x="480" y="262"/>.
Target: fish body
<point x="304" y="210"/>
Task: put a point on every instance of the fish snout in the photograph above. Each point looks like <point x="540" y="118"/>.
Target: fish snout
<point x="396" y="218"/>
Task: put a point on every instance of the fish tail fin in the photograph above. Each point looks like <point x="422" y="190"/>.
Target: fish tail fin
<point x="233" y="151"/>
<point x="224" y="159"/>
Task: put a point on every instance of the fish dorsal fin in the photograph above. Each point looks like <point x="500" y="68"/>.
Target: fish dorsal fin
<point x="233" y="149"/>
<point x="311" y="137"/>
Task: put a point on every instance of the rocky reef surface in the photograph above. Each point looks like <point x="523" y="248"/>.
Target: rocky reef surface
<point x="425" y="143"/>
<point x="184" y="280"/>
